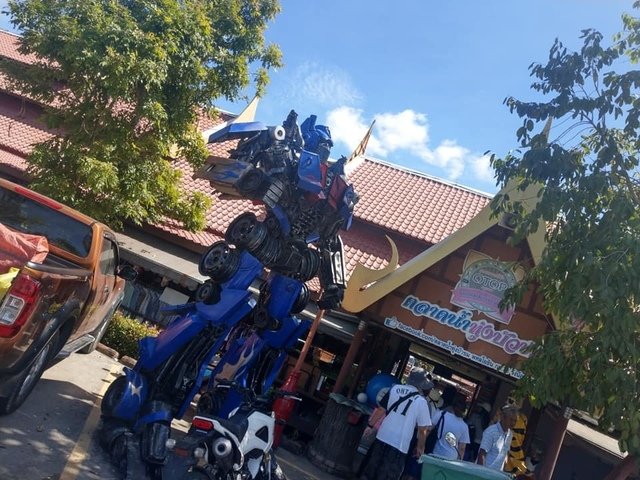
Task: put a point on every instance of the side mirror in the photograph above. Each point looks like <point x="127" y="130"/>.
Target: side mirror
<point x="127" y="272"/>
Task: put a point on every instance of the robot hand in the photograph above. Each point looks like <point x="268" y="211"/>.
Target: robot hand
<point x="331" y="297"/>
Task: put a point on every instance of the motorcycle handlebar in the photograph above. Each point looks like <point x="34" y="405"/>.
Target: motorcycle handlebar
<point x="231" y="384"/>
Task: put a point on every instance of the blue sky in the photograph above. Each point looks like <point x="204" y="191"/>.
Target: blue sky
<point x="433" y="74"/>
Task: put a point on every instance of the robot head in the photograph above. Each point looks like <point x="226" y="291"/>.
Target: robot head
<point x="317" y="138"/>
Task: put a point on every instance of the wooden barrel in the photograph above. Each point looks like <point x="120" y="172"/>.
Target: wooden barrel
<point x="335" y="442"/>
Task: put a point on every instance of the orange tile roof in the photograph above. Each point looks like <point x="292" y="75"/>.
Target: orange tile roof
<point x="394" y="199"/>
<point x="205" y="122"/>
<point x="11" y="161"/>
<point x="20" y="126"/>
<point x="412" y="203"/>
<point x="9" y="43"/>
<point x="361" y="244"/>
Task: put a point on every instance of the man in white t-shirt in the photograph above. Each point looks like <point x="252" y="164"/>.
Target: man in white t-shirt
<point x="407" y="409"/>
<point x="496" y="439"/>
<point x="453" y="433"/>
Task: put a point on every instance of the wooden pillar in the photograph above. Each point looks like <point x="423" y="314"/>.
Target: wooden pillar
<point x="552" y="450"/>
<point x="362" y="363"/>
<point x="354" y="348"/>
<point x="307" y="343"/>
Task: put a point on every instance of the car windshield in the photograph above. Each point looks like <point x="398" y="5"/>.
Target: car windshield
<point x="28" y="216"/>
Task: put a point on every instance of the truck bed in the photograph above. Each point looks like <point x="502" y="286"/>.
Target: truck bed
<point x="60" y="266"/>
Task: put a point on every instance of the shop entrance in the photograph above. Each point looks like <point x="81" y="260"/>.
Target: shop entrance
<point x="450" y="374"/>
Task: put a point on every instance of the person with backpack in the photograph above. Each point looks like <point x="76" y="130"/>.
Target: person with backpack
<point x="407" y="409"/>
<point x="452" y="431"/>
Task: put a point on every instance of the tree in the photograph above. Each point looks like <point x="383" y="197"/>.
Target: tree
<point x="124" y="82"/>
<point x="589" y="274"/>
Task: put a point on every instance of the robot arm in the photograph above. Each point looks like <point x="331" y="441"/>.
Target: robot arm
<point x="331" y="274"/>
<point x="341" y="199"/>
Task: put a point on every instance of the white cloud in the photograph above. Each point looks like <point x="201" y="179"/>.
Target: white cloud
<point x="348" y="127"/>
<point x="325" y="85"/>
<point x="406" y="131"/>
<point x="481" y="168"/>
<point x="449" y="156"/>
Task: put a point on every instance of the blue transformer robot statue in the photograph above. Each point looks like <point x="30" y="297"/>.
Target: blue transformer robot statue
<point x="307" y="200"/>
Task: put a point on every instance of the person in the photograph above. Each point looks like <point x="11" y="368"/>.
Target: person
<point x="373" y="425"/>
<point x="412" y="465"/>
<point x="478" y="422"/>
<point x="376" y="418"/>
<point x="448" y="395"/>
<point x="516" y="464"/>
<point x="454" y="439"/>
<point x="496" y="439"/>
<point x="407" y="409"/>
<point x="369" y="435"/>
<point x="435" y="401"/>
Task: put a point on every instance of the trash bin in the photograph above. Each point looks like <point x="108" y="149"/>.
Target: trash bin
<point x="336" y="440"/>
<point x="434" y="467"/>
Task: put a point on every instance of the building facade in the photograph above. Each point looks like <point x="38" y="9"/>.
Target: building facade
<point x="432" y="295"/>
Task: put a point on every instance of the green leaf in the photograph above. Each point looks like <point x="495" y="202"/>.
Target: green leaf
<point x="589" y="272"/>
<point x="133" y="78"/>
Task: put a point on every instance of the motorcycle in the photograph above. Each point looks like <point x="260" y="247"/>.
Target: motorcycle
<point x="237" y="448"/>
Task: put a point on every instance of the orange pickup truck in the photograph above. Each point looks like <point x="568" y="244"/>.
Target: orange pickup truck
<point x="61" y="305"/>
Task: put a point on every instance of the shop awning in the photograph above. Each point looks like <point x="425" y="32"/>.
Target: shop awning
<point x="159" y="256"/>
<point x="335" y="324"/>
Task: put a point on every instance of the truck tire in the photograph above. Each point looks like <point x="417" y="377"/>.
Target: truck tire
<point x="28" y="378"/>
<point x="98" y="333"/>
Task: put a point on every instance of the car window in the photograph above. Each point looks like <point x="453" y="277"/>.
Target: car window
<point x="108" y="257"/>
<point x="28" y="216"/>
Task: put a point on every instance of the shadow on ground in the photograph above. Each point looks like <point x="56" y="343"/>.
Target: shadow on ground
<point x="37" y="439"/>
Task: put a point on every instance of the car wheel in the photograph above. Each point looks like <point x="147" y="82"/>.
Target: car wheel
<point x="28" y="378"/>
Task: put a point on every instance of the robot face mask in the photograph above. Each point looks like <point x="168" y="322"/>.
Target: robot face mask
<point x="323" y="150"/>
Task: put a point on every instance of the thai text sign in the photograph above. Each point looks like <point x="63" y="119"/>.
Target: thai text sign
<point x="482" y="286"/>
<point x="474" y="330"/>
<point x="392" y="322"/>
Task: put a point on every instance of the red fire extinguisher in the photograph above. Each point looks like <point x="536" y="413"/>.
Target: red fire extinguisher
<point x="283" y="405"/>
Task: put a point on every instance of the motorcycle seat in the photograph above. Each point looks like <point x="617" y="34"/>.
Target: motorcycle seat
<point x="238" y="425"/>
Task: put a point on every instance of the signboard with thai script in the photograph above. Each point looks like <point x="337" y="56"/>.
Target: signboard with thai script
<point x="482" y="285"/>
<point x="452" y="348"/>
<point x="454" y="306"/>
<point x="473" y="330"/>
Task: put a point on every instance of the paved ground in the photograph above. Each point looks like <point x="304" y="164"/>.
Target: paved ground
<point x="52" y="436"/>
<point x="46" y="438"/>
<point x="299" y="468"/>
